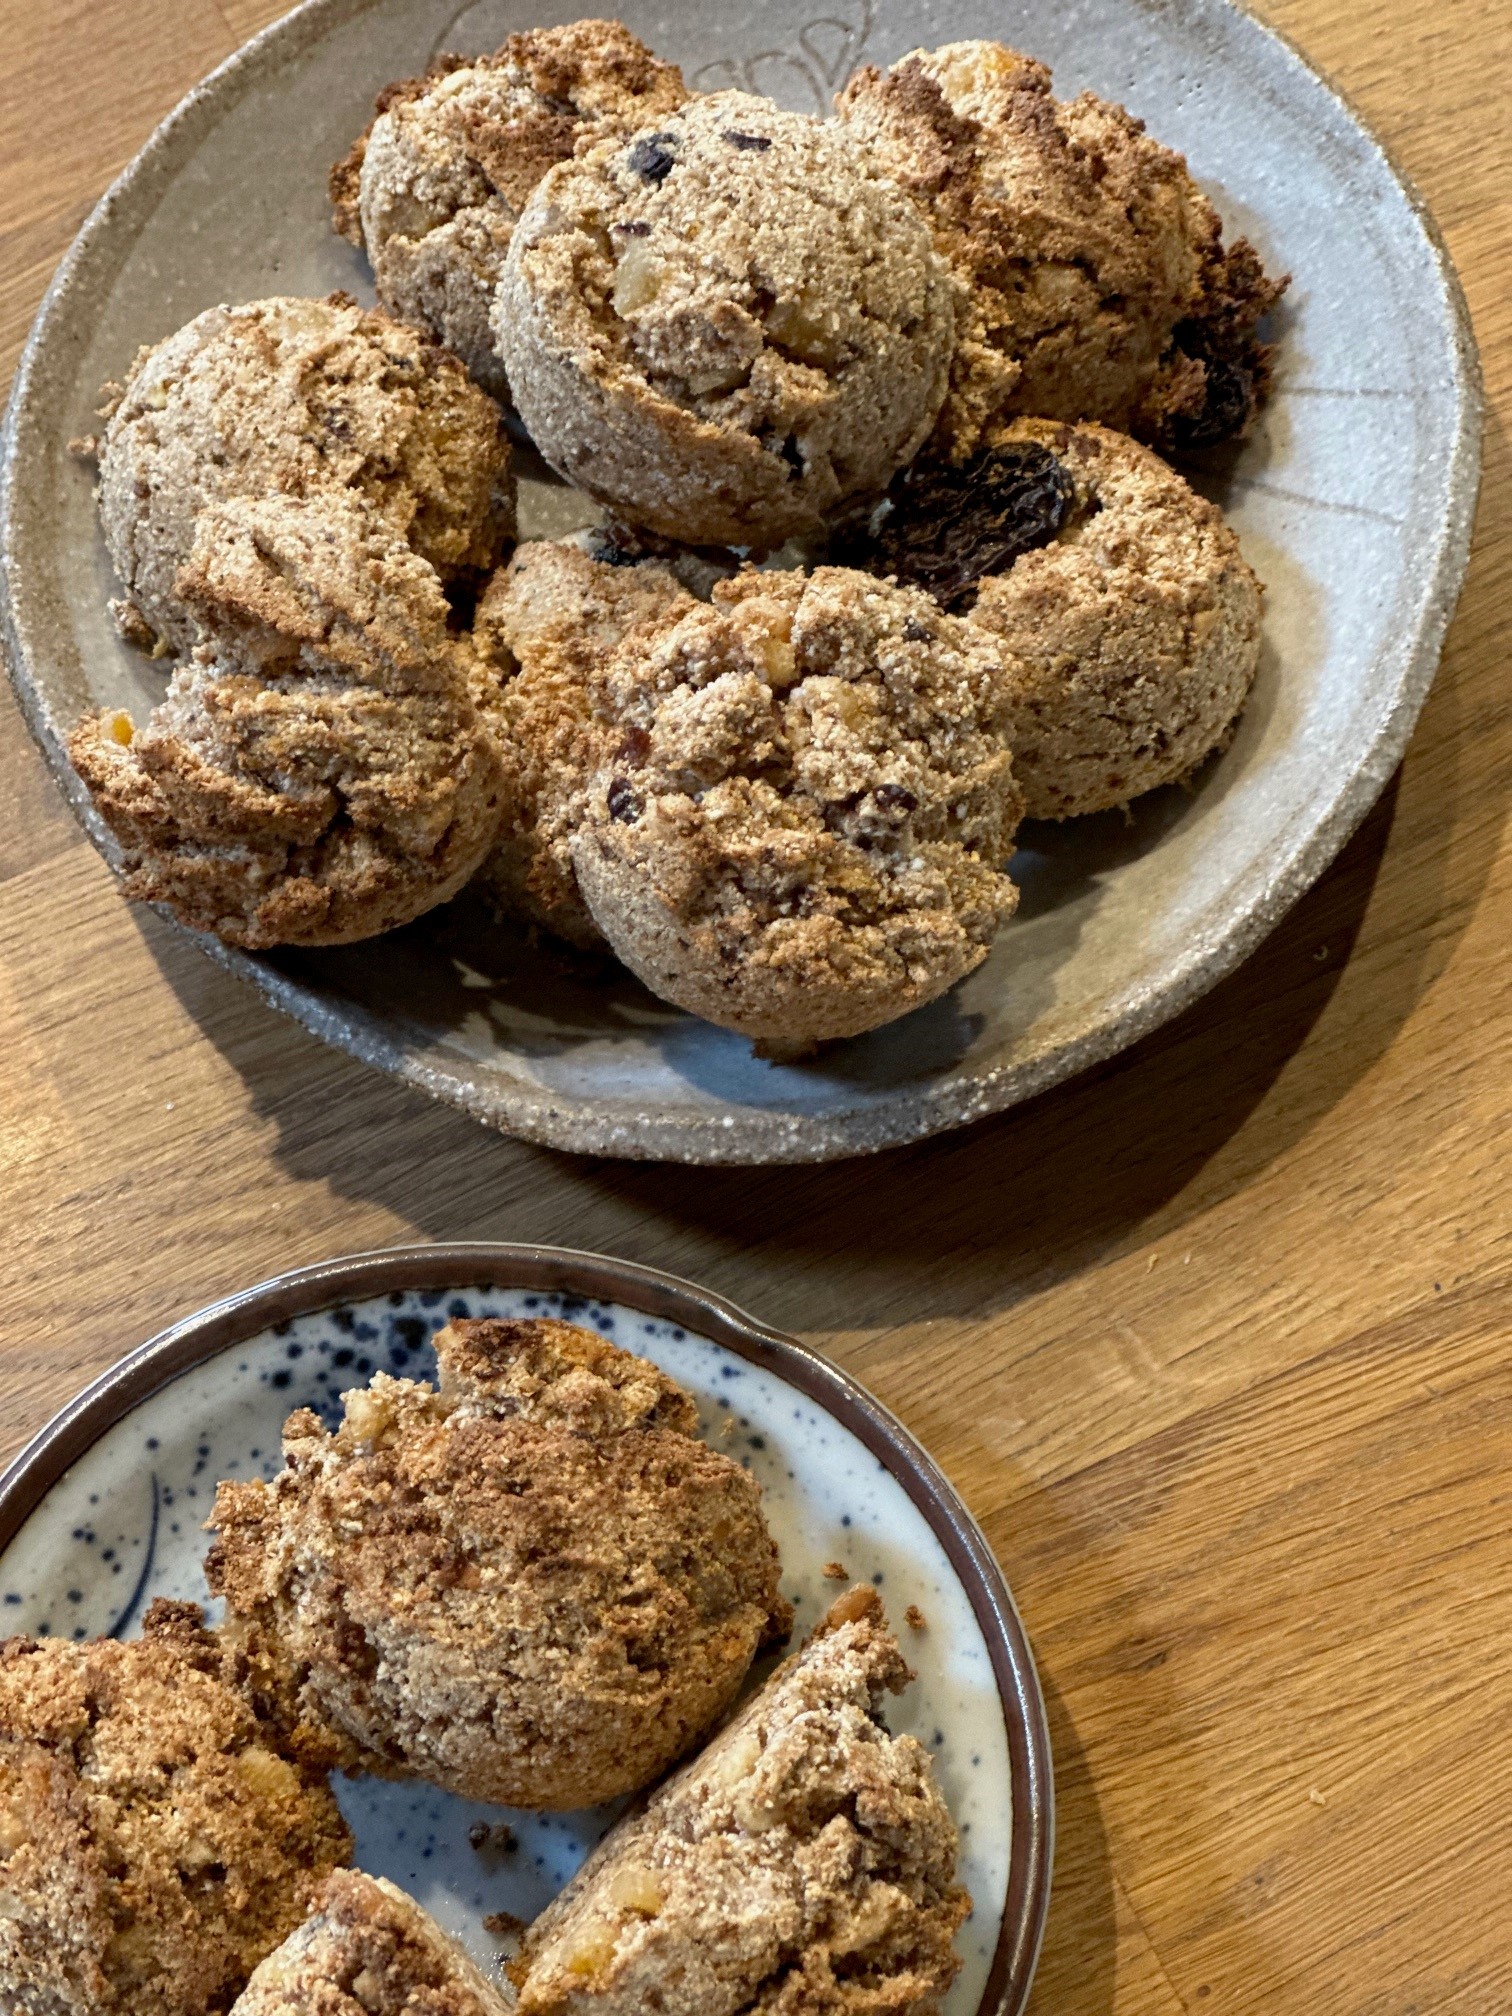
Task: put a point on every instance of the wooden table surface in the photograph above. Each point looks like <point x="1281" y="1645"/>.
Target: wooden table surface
<point x="1214" y="1340"/>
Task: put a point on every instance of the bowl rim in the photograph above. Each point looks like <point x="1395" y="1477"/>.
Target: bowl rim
<point x="758" y="1136"/>
<point x="235" y="1318"/>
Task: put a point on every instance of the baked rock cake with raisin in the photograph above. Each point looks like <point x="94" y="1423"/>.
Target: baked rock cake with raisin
<point x="321" y="768"/>
<point x="1129" y="615"/>
<point x="727" y="324"/>
<point x="295" y="398"/>
<point x="1094" y="280"/>
<point x="800" y="827"/>
<point x="433" y="189"/>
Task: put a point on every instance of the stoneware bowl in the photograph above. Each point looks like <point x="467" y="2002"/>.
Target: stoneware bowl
<point x="104" y="1511"/>
<point x="1353" y="499"/>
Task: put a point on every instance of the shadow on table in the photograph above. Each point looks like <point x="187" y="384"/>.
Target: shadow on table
<point x="962" y="1225"/>
<point x="975" y="1222"/>
<point x="1077" y="1970"/>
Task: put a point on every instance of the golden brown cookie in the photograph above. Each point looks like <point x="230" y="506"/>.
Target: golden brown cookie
<point x="319" y="770"/>
<point x="544" y="628"/>
<point x="535" y="1586"/>
<point x="295" y="398"/>
<point x="1134" y="635"/>
<point x="726" y="325"/>
<point x="153" y="1844"/>
<point x="1130" y="616"/>
<point x="804" y="1862"/>
<point x="1094" y="279"/>
<point x="801" y="830"/>
<point x="433" y="189"/>
<point x="368" y="1950"/>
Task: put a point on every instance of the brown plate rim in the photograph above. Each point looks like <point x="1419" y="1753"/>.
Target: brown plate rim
<point x="306" y="1290"/>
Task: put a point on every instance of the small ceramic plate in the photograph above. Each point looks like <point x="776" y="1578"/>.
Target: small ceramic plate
<point x="1353" y="499"/>
<point x="104" y="1511"/>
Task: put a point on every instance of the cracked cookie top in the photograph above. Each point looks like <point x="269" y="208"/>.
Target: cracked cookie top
<point x="154" y="1844"/>
<point x="804" y="1863"/>
<point x="433" y="189"/>
<point x="801" y="830"/>
<point x="533" y="1586"/>
<point x="726" y="324"/>
<point x="1094" y="279"/>
<point x="544" y="628"/>
<point x="295" y="398"/>
<point x="319" y="769"/>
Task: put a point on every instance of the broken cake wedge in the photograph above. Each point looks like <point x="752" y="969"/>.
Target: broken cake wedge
<point x="804" y="1862"/>
<point x="368" y="1949"/>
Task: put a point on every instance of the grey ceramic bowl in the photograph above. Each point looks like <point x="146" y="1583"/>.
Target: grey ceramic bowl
<point x="1354" y="501"/>
<point x="103" y="1512"/>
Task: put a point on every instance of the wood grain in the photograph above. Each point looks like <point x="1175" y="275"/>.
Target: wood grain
<point x="1214" y="1340"/>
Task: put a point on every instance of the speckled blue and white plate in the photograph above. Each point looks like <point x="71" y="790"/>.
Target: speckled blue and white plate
<point x="104" y="1511"/>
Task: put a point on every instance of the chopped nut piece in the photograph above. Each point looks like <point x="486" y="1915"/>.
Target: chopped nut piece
<point x="638" y="279"/>
<point x="589" y="1950"/>
<point x="634" y="1887"/>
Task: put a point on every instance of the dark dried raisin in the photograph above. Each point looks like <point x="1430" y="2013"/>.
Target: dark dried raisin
<point x="650" y="159"/>
<point x="636" y="746"/>
<point x="949" y="529"/>
<point x="917" y="632"/>
<point x="895" y="798"/>
<point x="624" y="805"/>
<point x="1230" y="395"/>
<point x="634" y="227"/>
<point x="756" y="143"/>
<point x="614" y="545"/>
<point x="1226" y="408"/>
